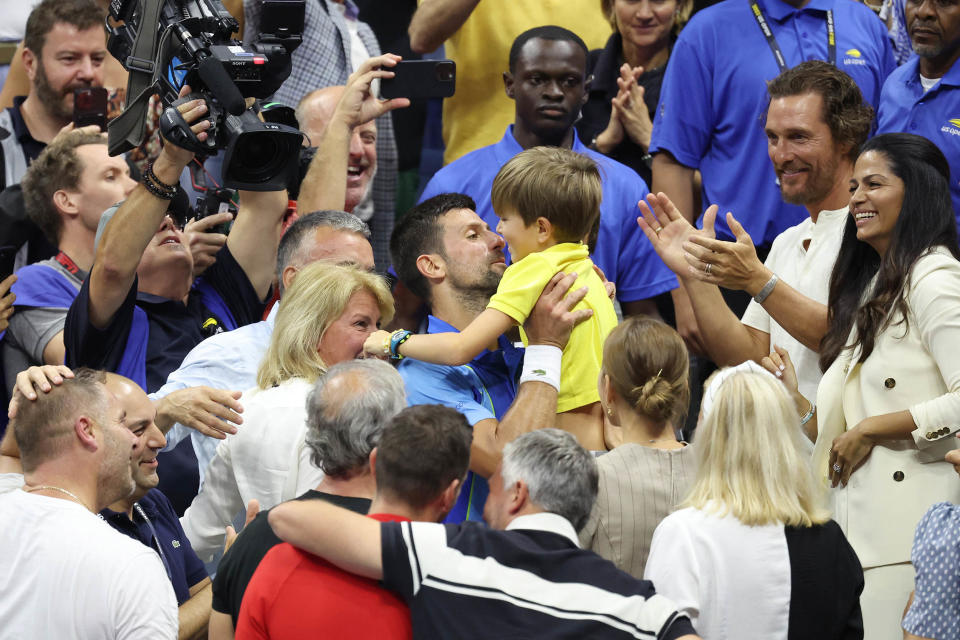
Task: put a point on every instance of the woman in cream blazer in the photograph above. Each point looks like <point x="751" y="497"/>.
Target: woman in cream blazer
<point x="888" y="405"/>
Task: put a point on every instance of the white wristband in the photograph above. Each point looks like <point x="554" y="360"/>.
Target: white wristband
<point x="541" y="363"/>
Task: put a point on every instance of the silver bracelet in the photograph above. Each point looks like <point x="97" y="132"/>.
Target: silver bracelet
<point x="767" y="288"/>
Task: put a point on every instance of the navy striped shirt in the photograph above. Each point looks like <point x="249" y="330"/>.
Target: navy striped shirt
<point x="532" y="580"/>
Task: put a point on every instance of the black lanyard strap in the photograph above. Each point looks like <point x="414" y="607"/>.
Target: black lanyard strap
<point x="775" y="46"/>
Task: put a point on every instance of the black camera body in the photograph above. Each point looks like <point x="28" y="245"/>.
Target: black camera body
<point x="191" y="43"/>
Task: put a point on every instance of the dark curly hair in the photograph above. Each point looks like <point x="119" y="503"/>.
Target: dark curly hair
<point x="846" y="113"/>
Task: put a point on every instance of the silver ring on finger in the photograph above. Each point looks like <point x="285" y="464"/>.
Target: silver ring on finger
<point x="837" y="467"/>
<point x="658" y="230"/>
<point x="707" y="268"/>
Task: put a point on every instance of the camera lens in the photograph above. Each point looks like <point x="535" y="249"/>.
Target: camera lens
<point x="445" y="71"/>
<point x="257" y="157"/>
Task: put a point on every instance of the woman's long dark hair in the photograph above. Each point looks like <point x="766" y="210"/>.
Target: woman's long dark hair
<point x="926" y="221"/>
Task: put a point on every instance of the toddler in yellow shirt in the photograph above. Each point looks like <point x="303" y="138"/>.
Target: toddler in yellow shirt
<point x="548" y="200"/>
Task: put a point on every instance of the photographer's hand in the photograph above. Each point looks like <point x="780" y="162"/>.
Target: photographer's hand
<point x="325" y="185"/>
<point x="173" y="159"/>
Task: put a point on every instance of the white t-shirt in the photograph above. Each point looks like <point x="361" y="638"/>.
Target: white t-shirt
<point x="67" y="574"/>
<point x="807" y="271"/>
<point x="732" y="580"/>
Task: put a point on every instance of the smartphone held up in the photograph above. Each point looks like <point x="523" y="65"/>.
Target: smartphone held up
<point x="420" y="79"/>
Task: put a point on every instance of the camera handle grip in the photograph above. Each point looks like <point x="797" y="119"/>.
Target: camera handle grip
<point x="175" y="129"/>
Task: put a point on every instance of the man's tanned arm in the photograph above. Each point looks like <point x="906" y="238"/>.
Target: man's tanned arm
<point x="194" y="614"/>
<point x="130" y="230"/>
<point x="437" y="20"/>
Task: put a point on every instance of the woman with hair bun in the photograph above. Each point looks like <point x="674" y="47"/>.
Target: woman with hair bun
<point x="644" y="392"/>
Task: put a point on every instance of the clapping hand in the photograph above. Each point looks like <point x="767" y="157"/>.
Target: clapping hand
<point x="668" y="230"/>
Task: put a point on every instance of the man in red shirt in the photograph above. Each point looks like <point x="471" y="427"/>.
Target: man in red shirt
<point x="419" y="465"/>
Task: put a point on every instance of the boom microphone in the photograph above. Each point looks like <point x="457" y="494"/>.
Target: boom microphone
<point x="221" y="85"/>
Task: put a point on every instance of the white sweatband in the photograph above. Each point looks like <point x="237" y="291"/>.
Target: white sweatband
<point x="541" y="363"/>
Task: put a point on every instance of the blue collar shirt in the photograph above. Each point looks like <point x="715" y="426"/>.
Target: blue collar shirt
<point x="481" y="390"/>
<point x="934" y="115"/>
<point x="166" y="537"/>
<point x="623" y="252"/>
<point x="714" y="97"/>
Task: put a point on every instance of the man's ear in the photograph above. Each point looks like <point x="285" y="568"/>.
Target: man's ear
<point x="544" y="230"/>
<point x="65" y="203"/>
<point x="373" y="463"/>
<point x="519" y="497"/>
<point x="29" y="63"/>
<point x="586" y="89"/>
<point x="289" y="272"/>
<point x="432" y="266"/>
<point x="450" y="495"/>
<point x="508" y="84"/>
<point x="87" y="433"/>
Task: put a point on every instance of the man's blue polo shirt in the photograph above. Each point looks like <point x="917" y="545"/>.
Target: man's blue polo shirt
<point x="934" y="115"/>
<point x="166" y="537"/>
<point x="623" y="252"/>
<point x="714" y="97"/>
<point x="483" y="389"/>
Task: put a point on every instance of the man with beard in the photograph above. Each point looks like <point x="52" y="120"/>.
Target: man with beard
<point x="815" y="123"/>
<point x="547" y="80"/>
<point x="445" y="254"/>
<point x="148" y="517"/>
<point x="145" y="515"/>
<point x="76" y="452"/>
<point x="923" y="96"/>
<point x="64" y="49"/>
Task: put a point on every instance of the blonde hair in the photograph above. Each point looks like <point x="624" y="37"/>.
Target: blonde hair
<point x="648" y="367"/>
<point x="318" y="296"/>
<point x="681" y="17"/>
<point x="750" y="460"/>
<point x="554" y="183"/>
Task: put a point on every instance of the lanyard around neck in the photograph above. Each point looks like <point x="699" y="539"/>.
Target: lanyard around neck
<point x="775" y="46"/>
<point x="156" y="539"/>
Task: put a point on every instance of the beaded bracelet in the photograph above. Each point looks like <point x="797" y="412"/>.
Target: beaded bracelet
<point x="156" y="186"/>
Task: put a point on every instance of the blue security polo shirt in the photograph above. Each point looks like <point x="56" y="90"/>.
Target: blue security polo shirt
<point x="623" y="252"/>
<point x="714" y="97"/>
<point x="934" y="115"/>
<point x="483" y="389"/>
<point x="166" y="537"/>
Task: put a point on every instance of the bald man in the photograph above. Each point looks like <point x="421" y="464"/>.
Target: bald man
<point x="314" y="113"/>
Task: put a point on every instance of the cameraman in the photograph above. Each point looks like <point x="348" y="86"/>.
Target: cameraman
<point x="140" y="311"/>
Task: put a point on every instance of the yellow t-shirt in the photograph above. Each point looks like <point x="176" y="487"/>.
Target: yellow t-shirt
<point x="479" y="112"/>
<point x="521" y="286"/>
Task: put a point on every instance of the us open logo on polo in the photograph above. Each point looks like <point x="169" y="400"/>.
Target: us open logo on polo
<point x="853" y="56"/>
<point x="952" y="127"/>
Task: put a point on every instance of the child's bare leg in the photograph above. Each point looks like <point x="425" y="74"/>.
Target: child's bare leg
<point x="586" y="425"/>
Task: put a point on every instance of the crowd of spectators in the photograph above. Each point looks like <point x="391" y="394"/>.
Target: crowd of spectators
<point x="660" y="349"/>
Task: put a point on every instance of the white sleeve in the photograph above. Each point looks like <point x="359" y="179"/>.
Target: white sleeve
<point x="756" y="317"/>
<point x="934" y="300"/>
<point x="199" y="368"/>
<point x="215" y="506"/>
<point x="672" y="567"/>
<point x="142" y="600"/>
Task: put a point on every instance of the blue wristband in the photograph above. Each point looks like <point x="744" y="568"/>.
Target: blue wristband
<point x="397" y="338"/>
